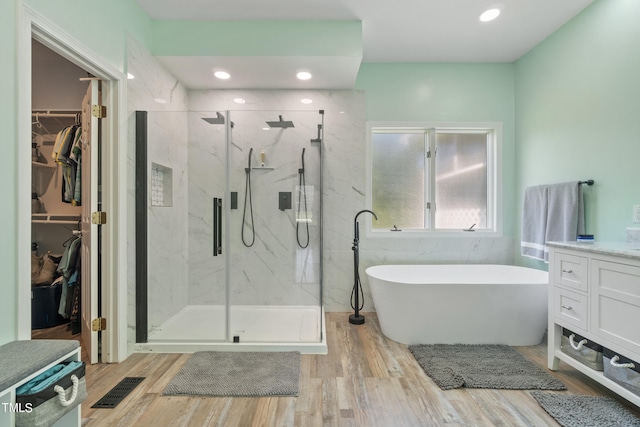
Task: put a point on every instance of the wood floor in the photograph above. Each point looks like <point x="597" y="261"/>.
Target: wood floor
<point x="365" y="380"/>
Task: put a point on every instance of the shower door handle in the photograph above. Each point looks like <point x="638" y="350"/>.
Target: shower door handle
<point x="217" y="226"/>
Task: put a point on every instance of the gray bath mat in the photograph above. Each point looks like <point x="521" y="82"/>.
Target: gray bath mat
<point x="210" y="373"/>
<point x="481" y="366"/>
<point x="585" y="411"/>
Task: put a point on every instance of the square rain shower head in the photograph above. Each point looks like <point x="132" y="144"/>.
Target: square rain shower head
<point x="218" y="120"/>
<point x="284" y="124"/>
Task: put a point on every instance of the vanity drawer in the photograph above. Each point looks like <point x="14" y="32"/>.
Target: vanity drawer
<point x="570" y="308"/>
<point x="571" y="271"/>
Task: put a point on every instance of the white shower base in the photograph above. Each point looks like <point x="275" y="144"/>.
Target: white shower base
<point x="259" y="328"/>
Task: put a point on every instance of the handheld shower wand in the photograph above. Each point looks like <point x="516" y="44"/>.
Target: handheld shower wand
<point x="302" y="198"/>
<point x="356" y="318"/>
<point x="247" y="195"/>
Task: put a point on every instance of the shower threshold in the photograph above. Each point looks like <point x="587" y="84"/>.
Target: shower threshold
<point x="256" y="328"/>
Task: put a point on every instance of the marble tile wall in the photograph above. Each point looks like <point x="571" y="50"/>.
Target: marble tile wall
<point x="275" y="270"/>
<point x="167" y="231"/>
<point x="344" y="181"/>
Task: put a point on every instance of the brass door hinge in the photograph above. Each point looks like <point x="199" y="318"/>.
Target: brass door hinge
<point x="98" y="218"/>
<point x="99" y="111"/>
<point x="99" y="324"/>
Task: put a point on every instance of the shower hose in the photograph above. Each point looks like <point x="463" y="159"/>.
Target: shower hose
<point x="302" y="198"/>
<point x="247" y="195"/>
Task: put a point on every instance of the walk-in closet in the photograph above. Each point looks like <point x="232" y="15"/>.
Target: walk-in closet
<point x="58" y="124"/>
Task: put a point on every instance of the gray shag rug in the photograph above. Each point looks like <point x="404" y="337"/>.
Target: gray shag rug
<point x="481" y="366"/>
<point x="585" y="411"/>
<point x="210" y="373"/>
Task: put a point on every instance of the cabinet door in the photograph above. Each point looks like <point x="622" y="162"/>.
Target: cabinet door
<point x="615" y="302"/>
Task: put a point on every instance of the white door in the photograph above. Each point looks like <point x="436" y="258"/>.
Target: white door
<point x="90" y="200"/>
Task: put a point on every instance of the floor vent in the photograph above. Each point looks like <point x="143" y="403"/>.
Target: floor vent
<point x="118" y="393"/>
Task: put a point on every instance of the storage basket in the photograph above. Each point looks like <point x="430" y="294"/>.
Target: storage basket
<point x="52" y="394"/>
<point x="622" y="370"/>
<point x="586" y="352"/>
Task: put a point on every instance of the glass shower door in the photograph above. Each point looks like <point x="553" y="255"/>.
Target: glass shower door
<point x="273" y="230"/>
<point x="207" y="297"/>
<point x="234" y="228"/>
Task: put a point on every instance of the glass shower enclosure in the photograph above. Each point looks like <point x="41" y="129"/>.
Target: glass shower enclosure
<point x="234" y="231"/>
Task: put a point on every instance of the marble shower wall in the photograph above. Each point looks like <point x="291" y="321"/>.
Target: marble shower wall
<point x="275" y="270"/>
<point x="167" y="142"/>
<point x="167" y="238"/>
<point x="344" y="188"/>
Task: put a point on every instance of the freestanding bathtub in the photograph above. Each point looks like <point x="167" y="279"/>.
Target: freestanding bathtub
<point x="460" y="304"/>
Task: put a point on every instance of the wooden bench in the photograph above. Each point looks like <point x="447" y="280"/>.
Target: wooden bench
<point x="20" y="361"/>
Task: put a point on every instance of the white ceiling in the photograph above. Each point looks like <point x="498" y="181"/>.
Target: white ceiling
<point x="392" y="31"/>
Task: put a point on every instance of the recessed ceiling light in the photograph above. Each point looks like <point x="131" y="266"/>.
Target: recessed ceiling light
<point x="130" y="76"/>
<point x="239" y="100"/>
<point x="266" y="128"/>
<point x="160" y="100"/>
<point x="489" y="15"/>
<point x="304" y="75"/>
<point x="223" y="75"/>
<point x="306" y="100"/>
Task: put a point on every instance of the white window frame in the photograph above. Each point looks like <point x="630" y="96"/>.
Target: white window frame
<point x="494" y="178"/>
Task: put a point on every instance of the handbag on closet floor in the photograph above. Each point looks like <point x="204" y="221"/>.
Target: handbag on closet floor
<point x="51" y="395"/>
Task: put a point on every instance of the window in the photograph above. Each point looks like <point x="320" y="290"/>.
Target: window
<point x="435" y="178"/>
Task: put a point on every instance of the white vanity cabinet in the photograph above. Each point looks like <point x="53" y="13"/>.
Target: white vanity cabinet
<point x="594" y="291"/>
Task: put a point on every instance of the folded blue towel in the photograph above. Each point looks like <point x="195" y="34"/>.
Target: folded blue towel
<point x="47" y="378"/>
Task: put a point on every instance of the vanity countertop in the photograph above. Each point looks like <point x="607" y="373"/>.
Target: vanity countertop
<point x="621" y="249"/>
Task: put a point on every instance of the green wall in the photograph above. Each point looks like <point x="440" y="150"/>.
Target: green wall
<point x="446" y="92"/>
<point x="578" y="114"/>
<point x="259" y="38"/>
<point x="8" y="119"/>
<point x="100" y="26"/>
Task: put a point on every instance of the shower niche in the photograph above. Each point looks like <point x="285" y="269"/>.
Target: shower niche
<point x="236" y="260"/>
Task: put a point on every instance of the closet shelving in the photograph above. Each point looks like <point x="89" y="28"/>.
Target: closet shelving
<point x="46" y="218"/>
<point x="43" y="165"/>
<point x="45" y="125"/>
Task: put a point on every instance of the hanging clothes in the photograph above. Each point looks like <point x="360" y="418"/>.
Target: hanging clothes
<point x="67" y="153"/>
<point x="76" y="156"/>
<point x="69" y="268"/>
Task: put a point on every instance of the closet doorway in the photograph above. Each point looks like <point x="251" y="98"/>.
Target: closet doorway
<point x="66" y="192"/>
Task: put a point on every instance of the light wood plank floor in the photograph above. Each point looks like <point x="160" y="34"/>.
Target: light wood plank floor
<point x="365" y="380"/>
<point x="60" y="332"/>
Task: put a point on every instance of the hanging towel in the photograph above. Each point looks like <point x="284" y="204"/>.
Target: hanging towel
<point x="551" y="213"/>
<point x="565" y="217"/>
<point x="534" y="222"/>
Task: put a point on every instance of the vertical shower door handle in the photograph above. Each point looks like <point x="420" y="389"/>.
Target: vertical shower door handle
<point x="217" y="226"/>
